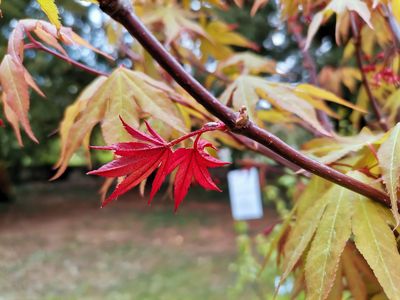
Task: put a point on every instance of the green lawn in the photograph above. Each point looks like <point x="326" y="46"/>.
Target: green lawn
<point x="55" y="243"/>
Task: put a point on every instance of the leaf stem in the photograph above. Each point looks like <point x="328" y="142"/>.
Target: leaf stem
<point x="122" y="12"/>
<point x="374" y="103"/>
<point x="39" y="46"/>
<point x="212" y="126"/>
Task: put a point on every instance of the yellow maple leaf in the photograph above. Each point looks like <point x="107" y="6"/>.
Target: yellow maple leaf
<point x="174" y="21"/>
<point x="377" y="244"/>
<point x="125" y="93"/>
<point x="220" y="36"/>
<point x="389" y="164"/>
<point x="300" y="101"/>
<point x="328" y="244"/>
<point x="341" y="9"/>
<point x="49" y="7"/>
<point x="247" y="63"/>
<point x="395" y="5"/>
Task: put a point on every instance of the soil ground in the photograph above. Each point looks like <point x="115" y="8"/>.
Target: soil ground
<point x="56" y="243"/>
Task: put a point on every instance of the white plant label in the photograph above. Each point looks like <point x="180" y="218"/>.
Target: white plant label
<point x="245" y="194"/>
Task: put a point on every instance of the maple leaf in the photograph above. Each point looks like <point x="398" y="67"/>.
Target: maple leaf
<point x="219" y="37"/>
<point x="389" y="163"/>
<point x="136" y="161"/>
<point x="328" y="243"/>
<point x="15" y="95"/>
<point x="247" y="63"/>
<point x="192" y="164"/>
<point x="392" y="106"/>
<point x="332" y="79"/>
<point x="300" y="101"/>
<point x="129" y="94"/>
<point x="377" y="243"/>
<point x="396" y="9"/>
<point x="357" y="286"/>
<point x="174" y="21"/>
<point x="328" y="150"/>
<point x="50" y="9"/>
<point x="257" y="5"/>
<point x="15" y="80"/>
<point x="341" y="8"/>
<point x="307" y="222"/>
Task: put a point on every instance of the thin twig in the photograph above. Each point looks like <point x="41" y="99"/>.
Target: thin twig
<point x="374" y="103"/>
<point x="39" y="46"/>
<point x="122" y="12"/>
<point x="310" y="66"/>
<point x="216" y="126"/>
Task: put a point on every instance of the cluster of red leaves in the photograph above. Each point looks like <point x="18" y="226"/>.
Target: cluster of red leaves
<point x="380" y="74"/>
<point x="136" y="161"/>
<point x="385" y="75"/>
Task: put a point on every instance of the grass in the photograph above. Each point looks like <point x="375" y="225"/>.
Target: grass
<point x="55" y="243"/>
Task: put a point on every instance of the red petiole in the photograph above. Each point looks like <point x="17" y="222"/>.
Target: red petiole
<point x="212" y="126"/>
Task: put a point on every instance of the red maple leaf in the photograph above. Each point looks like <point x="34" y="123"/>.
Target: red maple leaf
<point x="192" y="165"/>
<point x="136" y="161"/>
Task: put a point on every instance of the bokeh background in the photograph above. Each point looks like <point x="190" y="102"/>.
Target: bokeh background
<point x="55" y="241"/>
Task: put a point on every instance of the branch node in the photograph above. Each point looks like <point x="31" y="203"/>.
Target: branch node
<point x="237" y="122"/>
<point x="242" y="119"/>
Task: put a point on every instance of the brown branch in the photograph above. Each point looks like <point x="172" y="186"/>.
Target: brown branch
<point x="374" y="103"/>
<point x="122" y="12"/>
<point x="246" y="142"/>
<point x="258" y="148"/>
<point x="240" y="139"/>
<point x="39" y="46"/>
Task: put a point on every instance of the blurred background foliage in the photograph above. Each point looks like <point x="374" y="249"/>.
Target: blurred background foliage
<point x="62" y="83"/>
<point x="59" y="81"/>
